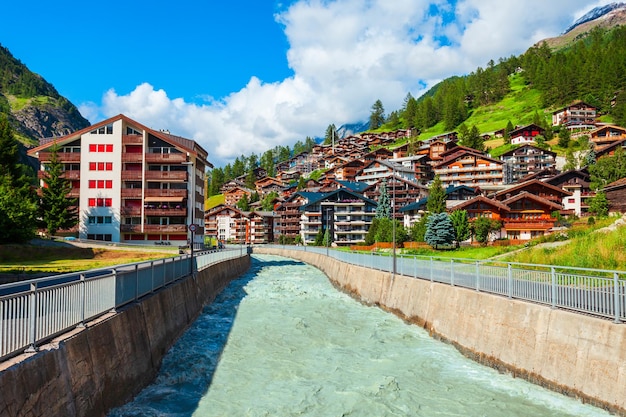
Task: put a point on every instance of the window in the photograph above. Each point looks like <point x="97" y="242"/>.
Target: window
<point x="100" y="147"/>
<point x="105" y="237"/>
<point x="92" y="147"/>
<point x="100" y="202"/>
<point x="92" y="183"/>
<point x="571" y="200"/>
<point x="92" y="166"/>
<point x="108" y="166"/>
<point x="100" y="166"/>
<point x="108" y="184"/>
<point x="92" y="202"/>
<point x="109" y="147"/>
<point x="100" y="220"/>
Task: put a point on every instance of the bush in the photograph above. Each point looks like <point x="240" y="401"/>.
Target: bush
<point x="591" y="220"/>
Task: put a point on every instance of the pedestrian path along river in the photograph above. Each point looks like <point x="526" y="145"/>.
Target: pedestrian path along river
<point x="281" y="341"/>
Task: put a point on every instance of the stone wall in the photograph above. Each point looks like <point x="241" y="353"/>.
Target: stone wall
<point x="578" y="355"/>
<point x="104" y="365"/>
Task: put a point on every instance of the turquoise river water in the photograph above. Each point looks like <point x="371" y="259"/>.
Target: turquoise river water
<point x="282" y="341"/>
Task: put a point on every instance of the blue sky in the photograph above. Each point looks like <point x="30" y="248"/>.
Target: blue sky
<point x="243" y="76"/>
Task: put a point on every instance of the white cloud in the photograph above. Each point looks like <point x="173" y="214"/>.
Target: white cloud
<point x="345" y="55"/>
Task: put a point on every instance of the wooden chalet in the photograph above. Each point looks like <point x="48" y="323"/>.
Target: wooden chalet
<point x="577" y="182"/>
<point x="525" y="160"/>
<point x="465" y="166"/>
<point x="575" y="116"/>
<point x="616" y="195"/>
<point x="232" y="196"/>
<point x="529" y="216"/>
<point x="607" y="134"/>
<point x="538" y="188"/>
<point x="526" y="134"/>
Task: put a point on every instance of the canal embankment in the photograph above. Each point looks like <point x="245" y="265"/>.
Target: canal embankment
<point x="571" y="353"/>
<point x="105" y="363"/>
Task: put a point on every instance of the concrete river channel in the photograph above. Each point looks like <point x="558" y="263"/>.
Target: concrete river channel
<point x="282" y="341"/>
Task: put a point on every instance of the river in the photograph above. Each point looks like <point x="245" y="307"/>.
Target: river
<point x="282" y="341"/>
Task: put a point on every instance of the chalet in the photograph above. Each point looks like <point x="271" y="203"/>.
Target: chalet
<point x="538" y="188"/>
<point x="400" y="192"/>
<point x="481" y="206"/>
<point x="609" y="150"/>
<point x="377" y="170"/>
<point x="526" y="134"/>
<point x="420" y="164"/>
<point x="232" y="196"/>
<point x="529" y="216"/>
<point x="266" y="185"/>
<point x="525" y="160"/>
<point x="413" y="212"/>
<point x="578" y="115"/>
<point x="380" y="154"/>
<point x="471" y="168"/>
<point x="289" y="214"/>
<point x="607" y="134"/>
<point x="345" y="214"/>
<point x="334" y="161"/>
<point x="616" y="195"/>
<point x="230" y="224"/>
<point x="229" y="185"/>
<point x="577" y="183"/>
<point x="349" y="170"/>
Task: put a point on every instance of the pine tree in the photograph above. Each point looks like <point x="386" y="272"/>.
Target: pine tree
<point x="377" y="117"/>
<point x="439" y="231"/>
<point x="244" y="203"/>
<point x="436" y="202"/>
<point x="330" y="135"/>
<point x="383" y="210"/>
<point x="56" y="209"/>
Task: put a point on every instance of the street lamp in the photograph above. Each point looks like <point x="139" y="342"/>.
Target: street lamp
<point x="327" y="234"/>
<point x="393" y="223"/>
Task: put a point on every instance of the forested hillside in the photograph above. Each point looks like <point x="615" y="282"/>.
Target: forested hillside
<point x="33" y="106"/>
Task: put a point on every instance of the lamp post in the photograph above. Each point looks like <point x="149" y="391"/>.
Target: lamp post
<point x="327" y="230"/>
<point x="393" y="223"/>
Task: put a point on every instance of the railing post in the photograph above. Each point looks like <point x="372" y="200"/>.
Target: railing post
<point x="414" y="266"/>
<point x="616" y="297"/>
<point x="136" y="283"/>
<point x="83" y="285"/>
<point x="477" y="275"/>
<point x="452" y="272"/>
<point x="510" y="280"/>
<point x="553" y="284"/>
<point x="431" y="269"/>
<point x="32" y="318"/>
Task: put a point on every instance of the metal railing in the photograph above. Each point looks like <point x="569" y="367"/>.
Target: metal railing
<point x="37" y="310"/>
<point x="596" y="292"/>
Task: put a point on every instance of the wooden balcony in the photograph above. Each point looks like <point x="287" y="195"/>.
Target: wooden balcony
<point x="166" y="212"/>
<point x="61" y="156"/>
<point x="132" y="139"/>
<point x="132" y="157"/>
<point x="130" y="211"/>
<point x="165" y="158"/>
<point x="172" y="228"/>
<point x="131" y="192"/>
<point x="165" y="193"/>
<point x="166" y="176"/>
<point x="132" y="175"/>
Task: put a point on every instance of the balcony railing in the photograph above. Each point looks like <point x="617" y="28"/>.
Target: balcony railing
<point x="132" y="175"/>
<point x="151" y="192"/>
<point x="61" y="156"/>
<point x="172" y="228"/>
<point x="132" y="139"/>
<point x="166" y="175"/>
<point x="168" y="158"/>
<point x="132" y="157"/>
<point x="131" y="192"/>
<point x="167" y="212"/>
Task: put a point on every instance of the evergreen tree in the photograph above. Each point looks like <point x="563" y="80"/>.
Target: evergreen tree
<point x="418" y="230"/>
<point x="267" y="204"/>
<point x="439" y="230"/>
<point x="267" y="162"/>
<point x="250" y="179"/>
<point x="608" y="169"/>
<point x="56" y="209"/>
<point x="507" y="132"/>
<point x="370" y="237"/>
<point x="564" y="137"/>
<point x="330" y="135"/>
<point x="327" y="240"/>
<point x="377" y="117"/>
<point x="436" y="202"/>
<point x="319" y="238"/>
<point x="383" y="210"/>
<point x="460" y="221"/>
<point x="301" y="184"/>
<point x="599" y="205"/>
<point x="243" y="203"/>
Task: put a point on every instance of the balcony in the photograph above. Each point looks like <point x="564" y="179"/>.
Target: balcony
<point x="165" y="158"/>
<point x="166" y="212"/>
<point x="166" y="176"/>
<point x="131" y="192"/>
<point x="132" y="175"/>
<point x="132" y="157"/>
<point x="151" y="192"/>
<point x="132" y="139"/>
<point x="61" y="156"/>
<point x="172" y="228"/>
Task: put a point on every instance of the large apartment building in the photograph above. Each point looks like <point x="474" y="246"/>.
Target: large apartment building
<point x="134" y="184"/>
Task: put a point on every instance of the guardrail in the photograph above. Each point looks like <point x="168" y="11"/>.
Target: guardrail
<point x="37" y="310"/>
<point x="597" y="292"/>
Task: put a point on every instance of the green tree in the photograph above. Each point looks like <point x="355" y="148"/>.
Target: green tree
<point x="244" y="203"/>
<point x="436" y="202"/>
<point x="267" y="204"/>
<point x="439" y="230"/>
<point x="383" y="210"/>
<point x="599" y="205"/>
<point x="327" y="240"/>
<point x="507" y="132"/>
<point x="18" y="202"/>
<point x="418" y="230"/>
<point x="301" y="184"/>
<point x="377" y="116"/>
<point x="330" y="135"/>
<point x="460" y="221"/>
<point x="319" y="238"/>
<point x="370" y="237"/>
<point x="482" y="227"/>
<point x="56" y="209"/>
<point x="564" y="137"/>
<point x="608" y="169"/>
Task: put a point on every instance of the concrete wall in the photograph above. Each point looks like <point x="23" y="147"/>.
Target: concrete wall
<point x="104" y="365"/>
<point x="574" y="354"/>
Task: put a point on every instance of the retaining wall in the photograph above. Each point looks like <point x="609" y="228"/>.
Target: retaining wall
<point x="571" y="353"/>
<point x="104" y="365"/>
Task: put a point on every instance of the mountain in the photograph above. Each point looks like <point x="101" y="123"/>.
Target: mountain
<point x="594" y="14"/>
<point x="605" y="17"/>
<point x="33" y="106"/>
<point x="352" y="129"/>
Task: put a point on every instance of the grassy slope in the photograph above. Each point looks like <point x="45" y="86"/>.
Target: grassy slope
<point x="214" y="201"/>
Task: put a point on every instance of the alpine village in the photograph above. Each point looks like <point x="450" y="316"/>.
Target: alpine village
<point x="528" y="149"/>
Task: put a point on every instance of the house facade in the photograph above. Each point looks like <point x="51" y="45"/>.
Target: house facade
<point x="525" y="160"/>
<point x="469" y="168"/>
<point x="525" y="134"/>
<point x="134" y="184"/>
<point x="577" y="115"/>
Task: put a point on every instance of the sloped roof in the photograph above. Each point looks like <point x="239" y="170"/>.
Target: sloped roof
<point x="616" y="184"/>
<point x="356" y="186"/>
<point x="337" y="191"/>
<point x="520" y="187"/>
<point x="527" y="195"/>
<point x="489" y="201"/>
